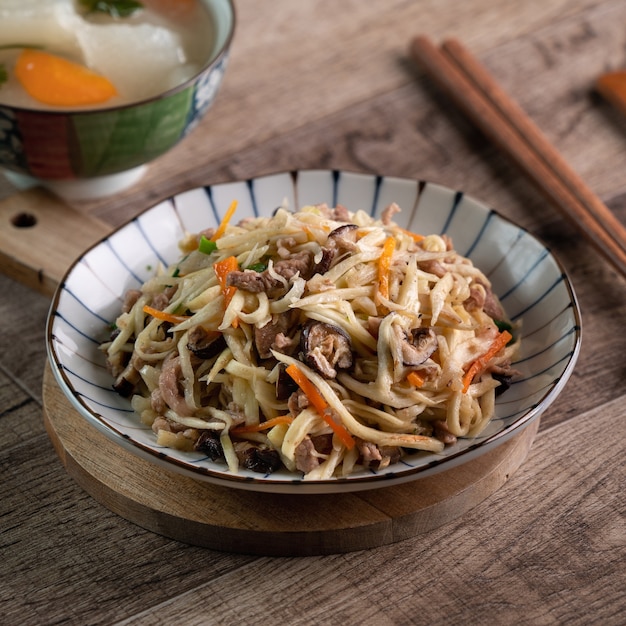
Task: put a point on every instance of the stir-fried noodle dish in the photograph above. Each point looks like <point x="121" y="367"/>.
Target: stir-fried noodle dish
<point x="321" y="341"/>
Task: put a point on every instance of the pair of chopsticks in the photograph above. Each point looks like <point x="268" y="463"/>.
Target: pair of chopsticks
<point x="459" y="74"/>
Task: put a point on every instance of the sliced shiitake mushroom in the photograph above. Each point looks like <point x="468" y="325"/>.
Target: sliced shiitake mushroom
<point x="414" y="347"/>
<point x="325" y="348"/>
<point x="257" y="457"/>
<point x="204" y="343"/>
<point x="209" y="443"/>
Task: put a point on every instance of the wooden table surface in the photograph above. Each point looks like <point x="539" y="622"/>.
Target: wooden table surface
<point x="320" y="83"/>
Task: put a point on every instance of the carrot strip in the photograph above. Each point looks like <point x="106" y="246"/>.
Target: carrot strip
<point x="313" y="395"/>
<point x="321" y="406"/>
<point x="53" y="80"/>
<point x="163" y="316"/>
<point x="255" y="428"/>
<point x="222" y="269"/>
<point x="415" y="379"/>
<point x="224" y="223"/>
<point x="384" y="264"/>
<point x="417" y="238"/>
<point x="481" y="362"/>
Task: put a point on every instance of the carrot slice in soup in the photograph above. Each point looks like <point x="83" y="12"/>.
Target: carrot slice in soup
<point x="53" y="80"/>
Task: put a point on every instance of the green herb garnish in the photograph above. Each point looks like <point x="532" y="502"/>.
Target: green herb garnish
<point x="114" y="8"/>
<point x="503" y="325"/>
<point x="257" y="267"/>
<point x="206" y="246"/>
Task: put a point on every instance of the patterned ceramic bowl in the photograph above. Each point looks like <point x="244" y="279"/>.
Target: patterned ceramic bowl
<point x="529" y="281"/>
<point x="100" y="151"/>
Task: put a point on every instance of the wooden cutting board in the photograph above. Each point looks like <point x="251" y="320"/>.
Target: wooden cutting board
<point x="35" y="249"/>
<point x="40" y="236"/>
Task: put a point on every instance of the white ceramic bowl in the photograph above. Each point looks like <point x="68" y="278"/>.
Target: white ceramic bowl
<point x="525" y="275"/>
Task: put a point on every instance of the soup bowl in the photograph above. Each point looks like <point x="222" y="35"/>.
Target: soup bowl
<point x="82" y="153"/>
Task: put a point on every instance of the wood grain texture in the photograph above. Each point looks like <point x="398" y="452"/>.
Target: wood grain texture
<point x="514" y="559"/>
<point x="326" y="84"/>
<point x="466" y="81"/>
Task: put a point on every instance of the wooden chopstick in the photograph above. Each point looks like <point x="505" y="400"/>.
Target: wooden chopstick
<point x="472" y="88"/>
<point x="529" y="131"/>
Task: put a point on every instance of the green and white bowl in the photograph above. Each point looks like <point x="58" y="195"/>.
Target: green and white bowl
<point x="95" y="152"/>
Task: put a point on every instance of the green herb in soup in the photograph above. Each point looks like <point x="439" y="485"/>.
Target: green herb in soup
<point x="114" y="8"/>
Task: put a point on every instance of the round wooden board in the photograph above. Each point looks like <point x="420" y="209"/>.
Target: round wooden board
<point x="234" y="520"/>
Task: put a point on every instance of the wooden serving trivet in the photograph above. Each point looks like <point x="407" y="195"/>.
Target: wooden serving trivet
<point x="233" y="520"/>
